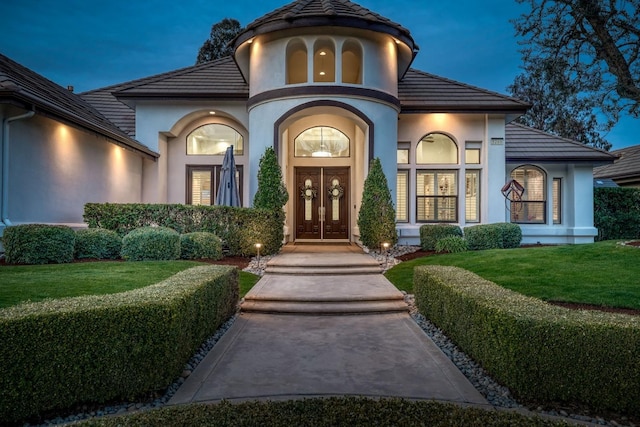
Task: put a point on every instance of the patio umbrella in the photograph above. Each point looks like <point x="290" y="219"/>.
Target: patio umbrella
<point x="228" y="189"/>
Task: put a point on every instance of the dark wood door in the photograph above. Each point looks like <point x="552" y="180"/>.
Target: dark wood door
<point x="322" y="203"/>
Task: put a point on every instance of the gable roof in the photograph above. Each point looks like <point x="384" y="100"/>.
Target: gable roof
<point x="28" y="89"/>
<point x="421" y="92"/>
<point x="627" y="165"/>
<point x="317" y="13"/>
<point x="525" y="144"/>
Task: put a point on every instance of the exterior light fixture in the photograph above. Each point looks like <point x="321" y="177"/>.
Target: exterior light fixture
<point x="213" y="113"/>
<point x="323" y="152"/>
<point x="323" y="53"/>
<point x="258" y="246"/>
<point x="385" y="247"/>
<point x="322" y="73"/>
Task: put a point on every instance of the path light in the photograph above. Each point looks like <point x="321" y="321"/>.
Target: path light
<point x="258" y="246"/>
<point x="385" y="246"/>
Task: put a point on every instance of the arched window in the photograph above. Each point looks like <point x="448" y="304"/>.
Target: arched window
<point x="437" y="148"/>
<point x="531" y="208"/>
<point x="213" y="139"/>
<point x="321" y="141"/>
<point x="351" y="62"/>
<point x="324" y="61"/>
<point x="296" y="62"/>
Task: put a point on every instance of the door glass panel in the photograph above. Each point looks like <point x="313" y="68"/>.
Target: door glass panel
<point x="308" y="200"/>
<point x="335" y="192"/>
<point x="201" y="187"/>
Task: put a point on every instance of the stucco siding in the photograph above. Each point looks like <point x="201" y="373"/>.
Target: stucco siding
<point x="55" y="169"/>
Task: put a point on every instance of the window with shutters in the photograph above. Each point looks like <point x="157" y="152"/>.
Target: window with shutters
<point x="402" y="195"/>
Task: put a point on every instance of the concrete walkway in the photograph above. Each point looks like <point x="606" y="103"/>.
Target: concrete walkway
<point x="283" y="356"/>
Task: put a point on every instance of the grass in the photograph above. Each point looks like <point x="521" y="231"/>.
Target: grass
<point x="334" y="411"/>
<point x="602" y="273"/>
<point x="38" y="282"/>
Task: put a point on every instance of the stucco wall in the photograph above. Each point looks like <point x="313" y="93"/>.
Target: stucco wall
<point x="55" y="169"/>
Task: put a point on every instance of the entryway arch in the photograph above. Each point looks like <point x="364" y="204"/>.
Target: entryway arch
<point x="325" y="175"/>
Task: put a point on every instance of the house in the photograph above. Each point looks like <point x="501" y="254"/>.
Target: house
<point x="625" y="171"/>
<point x="329" y="85"/>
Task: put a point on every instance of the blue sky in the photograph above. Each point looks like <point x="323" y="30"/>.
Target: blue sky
<point x="90" y="44"/>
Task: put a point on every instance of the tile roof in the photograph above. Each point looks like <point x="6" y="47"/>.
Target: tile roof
<point x="30" y="90"/>
<point x="219" y="79"/>
<point x="307" y="13"/>
<point x="421" y="92"/>
<point x="525" y="144"/>
<point x="627" y="165"/>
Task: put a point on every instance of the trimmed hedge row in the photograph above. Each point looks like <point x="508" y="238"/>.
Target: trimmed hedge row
<point x="151" y="244"/>
<point x="239" y="228"/>
<point x="59" y="353"/>
<point x="38" y="244"/>
<point x="617" y="213"/>
<point x="97" y="243"/>
<point x="541" y="352"/>
<point x="199" y="245"/>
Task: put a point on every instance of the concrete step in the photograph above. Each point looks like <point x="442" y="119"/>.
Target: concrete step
<point x="328" y="307"/>
<point x="324" y="294"/>
<point x="323" y="270"/>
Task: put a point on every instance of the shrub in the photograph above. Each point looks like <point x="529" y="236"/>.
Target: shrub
<point x="200" y="244"/>
<point x="239" y="228"/>
<point x="493" y="236"/>
<point x="377" y="217"/>
<point x="97" y="243"/>
<point x="617" y="213"/>
<point x="271" y="193"/>
<point x="452" y="244"/>
<point x="59" y="353"/>
<point x="541" y="352"/>
<point x="151" y="244"/>
<point x="431" y="233"/>
<point x="38" y="244"/>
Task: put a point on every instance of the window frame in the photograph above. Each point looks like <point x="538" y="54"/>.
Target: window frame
<point x="215" y="171"/>
<point x="529" y="204"/>
<point x="438" y="198"/>
<point x="407" y="174"/>
<point x="556" y="201"/>
<point x="478" y="196"/>
<point x="236" y="151"/>
<point x="420" y="151"/>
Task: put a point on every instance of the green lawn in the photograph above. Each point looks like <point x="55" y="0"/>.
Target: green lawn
<point x="602" y="273"/>
<point x="38" y="282"/>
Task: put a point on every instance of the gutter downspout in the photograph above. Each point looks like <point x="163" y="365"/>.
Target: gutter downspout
<point x="4" y="188"/>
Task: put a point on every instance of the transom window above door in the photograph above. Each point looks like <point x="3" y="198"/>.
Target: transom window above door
<point x="321" y="141"/>
<point x="213" y="140"/>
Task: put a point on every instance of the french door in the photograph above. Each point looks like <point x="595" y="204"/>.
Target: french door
<point x="322" y="203"/>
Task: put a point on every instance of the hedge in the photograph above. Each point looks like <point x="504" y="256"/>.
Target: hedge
<point x="239" y="228"/>
<point x="541" y="352"/>
<point x="60" y="353"/>
<point x="200" y="245"/>
<point x="617" y="213"/>
<point x="97" y="243"/>
<point x="501" y="235"/>
<point x="38" y="244"/>
<point x="431" y="233"/>
<point x="151" y="244"/>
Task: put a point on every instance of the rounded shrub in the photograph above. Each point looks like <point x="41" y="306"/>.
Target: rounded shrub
<point x="200" y="245"/>
<point x="431" y="233"/>
<point x="97" y="243"/>
<point x="38" y="244"/>
<point x="511" y="235"/>
<point x="151" y="243"/>
<point x="452" y="244"/>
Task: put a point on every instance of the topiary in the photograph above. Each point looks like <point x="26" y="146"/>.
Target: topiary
<point x="151" y="243"/>
<point x="271" y="193"/>
<point x="200" y="245"/>
<point x="97" y="243"/>
<point x="377" y="216"/>
<point x="38" y="244"/>
<point x="452" y="244"/>
<point x="431" y="233"/>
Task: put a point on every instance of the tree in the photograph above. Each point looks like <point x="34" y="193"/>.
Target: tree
<point x="377" y="217"/>
<point x="558" y="107"/>
<point x="593" y="43"/>
<point x="217" y="45"/>
<point x="271" y="194"/>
